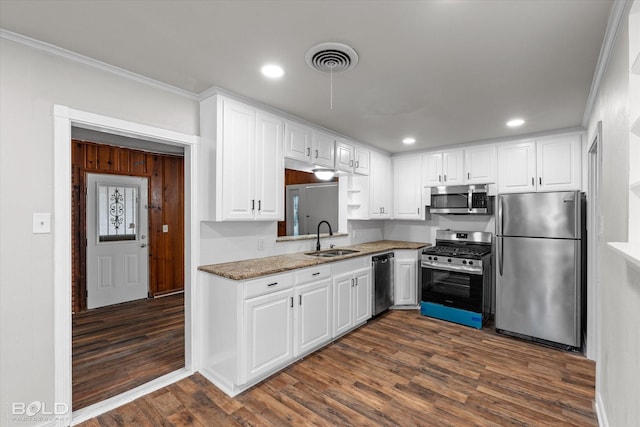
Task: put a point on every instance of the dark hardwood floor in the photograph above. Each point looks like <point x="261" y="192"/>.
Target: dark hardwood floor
<point x="120" y="347"/>
<point x="401" y="369"/>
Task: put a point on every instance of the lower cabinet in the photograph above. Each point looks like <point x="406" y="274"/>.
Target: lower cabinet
<point x="313" y="316"/>
<point x="406" y="278"/>
<point x="269" y="333"/>
<point x="352" y="300"/>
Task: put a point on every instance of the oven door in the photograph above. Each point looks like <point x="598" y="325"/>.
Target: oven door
<point x="447" y="286"/>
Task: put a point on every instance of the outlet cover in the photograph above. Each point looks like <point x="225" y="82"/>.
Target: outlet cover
<point x="165" y="228"/>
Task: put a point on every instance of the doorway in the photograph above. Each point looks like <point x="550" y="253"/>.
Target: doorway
<point x="64" y="119"/>
<point x="128" y="210"/>
<point x="594" y="238"/>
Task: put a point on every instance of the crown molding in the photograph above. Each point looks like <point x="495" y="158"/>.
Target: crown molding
<point x="85" y="60"/>
<point x="619" y="9"/>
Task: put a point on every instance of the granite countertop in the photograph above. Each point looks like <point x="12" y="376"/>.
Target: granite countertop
<point x="252" y="268"/>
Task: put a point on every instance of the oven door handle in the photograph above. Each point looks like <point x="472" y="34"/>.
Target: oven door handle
<point x="458" y="269"/>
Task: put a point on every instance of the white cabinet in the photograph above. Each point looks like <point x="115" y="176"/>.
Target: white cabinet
<point x="407" y="191"/>
<point x="351" y="159"/>
<point x="269" y="333"/>
<point x="241" y="155"/>
<point x="313" y="317"/>
<point x="559" y="163"/>
<point x="351" y="300"/>
<point x="406" y="277"/>
<point x="380" y="189"/>
<point x="517" y="167"/>
<point x="480" y="165"/>
<point x="548" y="164"/>
<point x="307" y="145"/>
<point x="443" y="168"/>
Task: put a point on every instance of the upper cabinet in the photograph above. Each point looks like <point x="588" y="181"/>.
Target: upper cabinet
<point x="242" y="155"/>
<point x="407" y="191"/>
<point x="307" y="145"/>
<point x="480" y="165"/>
<point x="351" y="158"/>
<point x="547" y="164"/>
<point x="381" y="191"/>
<point x="443" y="168"/>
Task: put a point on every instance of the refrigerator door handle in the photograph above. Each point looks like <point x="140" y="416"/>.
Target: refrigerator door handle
<point x="500" y="254"/>
<point x="500" y="216"/>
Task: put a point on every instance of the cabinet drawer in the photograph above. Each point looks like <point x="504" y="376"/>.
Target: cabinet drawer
<point x="311" y="274"/>
<point x="265" y="285"/>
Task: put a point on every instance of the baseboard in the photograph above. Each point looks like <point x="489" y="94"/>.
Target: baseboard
<point x="107" y="405"/>
<point x="600" y="412"/>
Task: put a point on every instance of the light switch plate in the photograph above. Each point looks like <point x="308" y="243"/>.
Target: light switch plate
<point x="165" y="228"/>
<point x="41" y="223"/>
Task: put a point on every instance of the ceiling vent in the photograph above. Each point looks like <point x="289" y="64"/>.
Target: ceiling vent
<point x="331" y="57"/>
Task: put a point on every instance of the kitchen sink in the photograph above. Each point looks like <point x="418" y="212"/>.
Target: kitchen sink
<point x="332" y="252"/>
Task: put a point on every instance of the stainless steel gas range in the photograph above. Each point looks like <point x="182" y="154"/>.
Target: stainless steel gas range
<point x="457" y="276"/>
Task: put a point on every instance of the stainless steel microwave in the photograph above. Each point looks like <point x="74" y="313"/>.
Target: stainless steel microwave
<point x="461" y="200"/>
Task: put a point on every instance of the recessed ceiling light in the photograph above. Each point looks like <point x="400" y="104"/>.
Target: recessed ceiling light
<point x="514" y="123"/>
<point x="409" y="140"/>
<point x="272" y="71"/>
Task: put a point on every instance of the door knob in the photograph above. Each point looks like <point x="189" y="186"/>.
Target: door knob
<point x="144" y="245"/>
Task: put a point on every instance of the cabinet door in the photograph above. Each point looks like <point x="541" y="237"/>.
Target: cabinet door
<point x="268" y="333"/>
<point x="517" y="167"/>
<point x="297" y="141"/>
<point x="269" y="178"/>
<point x="405" y="282"/>
<point x="237" y="161"/>
<point x="432" y="170"/>
<point x="313" y="316"/>
<point x="343" y="304"/>
<point x="380" y="186"/>
<point x="480" y="165"/>
<point x="407" y="194"/>
<point x="452" y="167"/>
<point x="323" y="150"/>
<point x="559" y="163"/>
<point x="344" y="156"/>
<point x="361" y="164"/>
<point x="362" y="296"/>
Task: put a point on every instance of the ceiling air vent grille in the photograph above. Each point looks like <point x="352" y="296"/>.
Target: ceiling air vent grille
<point x="331" y="57"/>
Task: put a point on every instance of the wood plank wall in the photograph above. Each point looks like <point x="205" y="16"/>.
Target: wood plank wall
<point x="166" y="206"/>
<point x="293" y="177"/>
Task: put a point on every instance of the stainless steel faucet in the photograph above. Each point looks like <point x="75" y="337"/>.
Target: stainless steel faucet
<point x="330" y="233"/>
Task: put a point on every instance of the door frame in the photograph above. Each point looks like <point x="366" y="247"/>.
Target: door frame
<point x="64" y="118"/>
<point x="594" y="185"/>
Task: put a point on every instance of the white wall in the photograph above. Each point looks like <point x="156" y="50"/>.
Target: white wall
<point x="31" y="82"/>
<point x="425" y="231"/>
<point x="618" y="367"/>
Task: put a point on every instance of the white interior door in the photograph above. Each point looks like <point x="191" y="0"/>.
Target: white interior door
<point x="117" y="239"/>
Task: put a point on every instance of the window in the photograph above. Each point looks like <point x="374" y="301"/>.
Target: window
<point x="117" y="213"/>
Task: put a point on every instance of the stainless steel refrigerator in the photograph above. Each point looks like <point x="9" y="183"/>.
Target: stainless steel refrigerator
<point x="540" y="266"/>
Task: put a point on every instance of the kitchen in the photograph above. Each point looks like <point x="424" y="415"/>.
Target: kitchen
<point x="242" y="240"/>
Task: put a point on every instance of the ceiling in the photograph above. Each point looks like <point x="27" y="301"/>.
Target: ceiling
<point x="443" y="71"/>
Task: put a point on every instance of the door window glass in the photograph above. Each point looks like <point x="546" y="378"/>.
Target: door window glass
<point x="117" y="213"/>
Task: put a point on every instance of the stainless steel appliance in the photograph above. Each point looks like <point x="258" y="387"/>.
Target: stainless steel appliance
<point x="540" y="266"/>
<point x="457" y="277"/>
<point x="382" y="282"/>
<point x="461" y="199"/>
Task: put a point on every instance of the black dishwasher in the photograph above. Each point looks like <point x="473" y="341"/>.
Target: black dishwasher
<point x="382" y="282"/>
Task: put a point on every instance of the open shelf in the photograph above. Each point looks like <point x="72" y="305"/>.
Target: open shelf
<point x="630" y="251"/>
